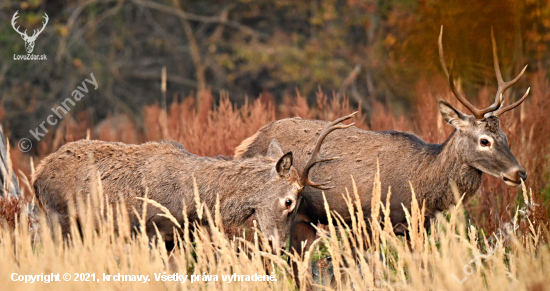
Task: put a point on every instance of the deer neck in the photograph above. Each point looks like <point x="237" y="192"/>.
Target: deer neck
<point x="448" y="165"/>
<point x="238" y="197"/>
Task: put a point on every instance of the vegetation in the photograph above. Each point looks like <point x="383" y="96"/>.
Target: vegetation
<point x="511" y="223"/>
<point x="453" y="255"/>
<point x="210" y="130"/>
<point x="368" y="50"/>
<point x="279" y="59"/>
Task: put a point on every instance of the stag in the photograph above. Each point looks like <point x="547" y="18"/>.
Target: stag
<point x="266" y="186"/>
<point x="476" y="146"/>
<point x="29" y="40"/>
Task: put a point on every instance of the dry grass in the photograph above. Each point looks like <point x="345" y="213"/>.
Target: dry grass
<point x="210" y="130"/>
<point x="452" y="252"/>
<point x="518" y="261"/>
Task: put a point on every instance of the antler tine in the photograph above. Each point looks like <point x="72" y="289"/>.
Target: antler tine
<point x="441" y="56"/>
<point x="46" y="18"/>
<point x="502" y="86"/>
<point x="498" y="98"/>
<point x="501" y="110"/>
<point x="316" y="158"/>
<point x="476" y="112"/>
<point x="15" y="16"/>
<point x="36" y="31"/>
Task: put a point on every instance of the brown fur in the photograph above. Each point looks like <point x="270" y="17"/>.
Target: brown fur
<point x="245" y="145"/>
<point x="165" y="170"/>
<point x="403" y="158"/>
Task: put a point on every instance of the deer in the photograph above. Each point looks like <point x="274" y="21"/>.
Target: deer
<point x="266" y="187"/>
<point x="29" y="40"/>
<point x="476" y="146"/>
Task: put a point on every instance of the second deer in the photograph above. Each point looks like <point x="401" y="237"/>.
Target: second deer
<point x="266" y="187"/>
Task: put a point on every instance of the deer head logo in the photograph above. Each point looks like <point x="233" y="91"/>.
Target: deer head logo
<point x="29" y="40"/>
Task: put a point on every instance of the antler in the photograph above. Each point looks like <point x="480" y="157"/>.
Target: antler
<point x="316" y="158"/>
<point x="502" y="86"/>
<point x="36" y="33"/>
<point x="15" y="16"/>
<point x="501" y="110"/>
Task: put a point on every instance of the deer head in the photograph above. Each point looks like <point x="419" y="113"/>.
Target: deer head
<point x="287" y="184"/>
<point x="485" y="146"/>
<point x="29" y="40"/>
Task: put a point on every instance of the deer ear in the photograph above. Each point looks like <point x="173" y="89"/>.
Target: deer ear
<point x="284" y="164"/>
<point x="453" y="116"/>
<point x="274" y="150"/>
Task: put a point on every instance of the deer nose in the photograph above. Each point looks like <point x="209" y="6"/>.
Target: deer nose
<point x="522" y="174"/>
<point x="514" y="176"/>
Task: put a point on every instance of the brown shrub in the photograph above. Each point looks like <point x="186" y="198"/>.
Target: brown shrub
<point x="208" y="130"/>
<point x="10" y="208"/>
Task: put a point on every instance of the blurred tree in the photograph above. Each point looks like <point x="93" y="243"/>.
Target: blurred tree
<point x="362" y="48"/>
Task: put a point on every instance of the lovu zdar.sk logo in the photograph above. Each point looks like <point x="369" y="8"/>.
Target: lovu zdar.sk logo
<point x="29" y="40"/>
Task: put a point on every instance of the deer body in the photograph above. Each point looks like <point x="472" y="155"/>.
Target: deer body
<point x="477" y="145"/>
<point x="403" y="157"/>
<point x="164" y="170"/>
<point x="266" y="186"/>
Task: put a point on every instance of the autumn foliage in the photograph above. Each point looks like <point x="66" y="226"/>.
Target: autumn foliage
<point x="209" y="128"/>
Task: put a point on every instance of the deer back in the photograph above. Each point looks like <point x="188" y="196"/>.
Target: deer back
<point x="267" y="186"/>
<point x="402" y="157"/>
<point x="166" y="172"/>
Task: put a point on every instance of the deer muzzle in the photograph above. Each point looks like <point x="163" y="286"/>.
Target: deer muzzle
<point x="514" y="177"/>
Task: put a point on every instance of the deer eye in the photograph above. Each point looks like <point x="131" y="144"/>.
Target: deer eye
<point x="288" y="203"/>
<point x="484" y="142"/>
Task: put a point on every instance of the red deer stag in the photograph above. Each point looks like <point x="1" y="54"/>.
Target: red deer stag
<point x="267" y="187"/>
<point x="477" y="145"/>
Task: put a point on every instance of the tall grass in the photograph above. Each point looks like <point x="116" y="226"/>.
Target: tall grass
<point x="212" y="129"/>
<point x="500" y="218"/>
<point x="452" y="256"/>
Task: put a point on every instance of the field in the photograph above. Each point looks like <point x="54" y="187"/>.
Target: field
<point x="455" y="255"/>
<point x="498" y="240"/>
<point x="209" y="74"/>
